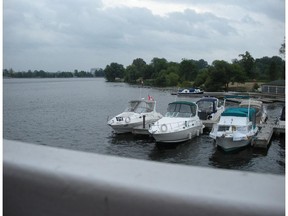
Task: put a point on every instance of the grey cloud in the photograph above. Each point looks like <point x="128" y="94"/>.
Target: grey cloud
<point x="201" y="24"/>
<point x="274" y="9"/>
<point x="80" y="34"/>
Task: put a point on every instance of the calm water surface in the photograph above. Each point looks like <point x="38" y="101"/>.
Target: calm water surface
<point x="73" y="114"/>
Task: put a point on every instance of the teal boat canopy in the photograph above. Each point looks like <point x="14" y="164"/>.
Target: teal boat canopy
<point x="241" y="112"/>
<point x="237" y="96"/>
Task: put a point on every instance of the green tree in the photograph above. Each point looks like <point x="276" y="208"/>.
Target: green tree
<point x="158" y="64"/>
<point x="282" y="50"/>
<point x="131" y="74"/>
<point x="223" y="73"/>
<point x="113" y="71"/>
<point x="188" y="70"/>
<point x="247" y="62"/>
<point x="218" y="76"/>
<point x="6" y="73"/>
<point x="238" y="74"/>
<point x="263" y="68"/>
<point x="202" y="77"/>
<point x="201" y="64"/>
<point x="161" y="79"/>
<point x="172" y="79"/>
<point x="272" y="71"/>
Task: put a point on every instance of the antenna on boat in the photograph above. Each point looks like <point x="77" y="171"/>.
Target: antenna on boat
<point x="141" y="86"/>
<point x="248" y="106"/>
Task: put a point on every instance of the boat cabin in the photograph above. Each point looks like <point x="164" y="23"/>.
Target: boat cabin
<point x="207" y="106"/>
<point x="232" y="119"/>
<point x="182" y="109"/>
<point x="141" y="106"/>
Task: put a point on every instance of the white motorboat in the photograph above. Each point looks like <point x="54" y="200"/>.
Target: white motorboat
<point x="209" y="108"/>
<point x="261" y="113"/>
<point x="138" y="114"/>
<point x="235" y="129"/>
<point x="180" y="123"/>
<point x="190" y="91"/>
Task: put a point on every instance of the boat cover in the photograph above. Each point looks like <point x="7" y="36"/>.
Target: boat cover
<point x="241" y="112"/>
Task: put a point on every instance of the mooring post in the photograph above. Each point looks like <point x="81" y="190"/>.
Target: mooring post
<point x="144" y="121"/>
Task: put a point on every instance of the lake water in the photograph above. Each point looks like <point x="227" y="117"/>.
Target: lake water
<point x="73" y="113"/>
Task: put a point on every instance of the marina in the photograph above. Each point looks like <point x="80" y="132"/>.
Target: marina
<point x="73" y="114"/>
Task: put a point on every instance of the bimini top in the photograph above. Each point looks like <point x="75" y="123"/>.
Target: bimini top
<point x="239" y="112"/>
<point x="181" y="109"/>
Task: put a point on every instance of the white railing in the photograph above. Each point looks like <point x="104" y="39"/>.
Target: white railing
<point x="41" y="180"/>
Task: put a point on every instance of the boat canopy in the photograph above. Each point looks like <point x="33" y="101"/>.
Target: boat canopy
<point x="181" y="109"/>
<point x="207" y="104"/>
<point x="140" y="106"/>
<point x="237" y="96"/>
<point x="241" y="112"/>
<point x="257" y="105"/>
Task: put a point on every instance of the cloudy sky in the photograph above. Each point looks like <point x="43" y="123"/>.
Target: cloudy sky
<point x="63" y="35"/>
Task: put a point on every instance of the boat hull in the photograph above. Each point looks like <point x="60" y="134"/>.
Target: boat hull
<point x="228" y="145"/>
<point x="127" y="128"/>
<point x="178" y="136"/>
<point x="191" y="93"/>
<point x="127" y="122"/>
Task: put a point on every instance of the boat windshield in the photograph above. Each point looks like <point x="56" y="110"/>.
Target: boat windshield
<point x="223" y="128"/>
<point x="140" y="106"/>
<point x="205" y="106"/>
<point x="180" y="110"/>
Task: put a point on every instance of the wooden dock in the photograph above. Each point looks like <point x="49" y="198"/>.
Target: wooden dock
<point x="265" y="133"/>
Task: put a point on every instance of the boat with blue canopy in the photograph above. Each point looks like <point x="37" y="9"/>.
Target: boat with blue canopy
<point x="209" y="108"/>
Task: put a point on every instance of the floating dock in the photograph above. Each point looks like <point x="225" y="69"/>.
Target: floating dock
<point x="263" y="137"/>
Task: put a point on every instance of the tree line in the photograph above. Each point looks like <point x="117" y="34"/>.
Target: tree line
<point x="198" y="73"/>
<point x="43" y="74"/>
<point x="187" y="73"/>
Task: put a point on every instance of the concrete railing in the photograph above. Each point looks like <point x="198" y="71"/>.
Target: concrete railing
<point x="41" y="180"/>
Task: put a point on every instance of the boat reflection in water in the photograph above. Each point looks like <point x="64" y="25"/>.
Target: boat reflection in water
<point x="231" y="160"/>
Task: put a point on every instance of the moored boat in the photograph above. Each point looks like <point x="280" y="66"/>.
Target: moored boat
<point x="261" y="113"/>
<point x="235" y="129"/>
<point x="190" y="91"/>
<point x="209" y="108"/>
<point x="180" y="123"/>
<point x="138" y="113"/>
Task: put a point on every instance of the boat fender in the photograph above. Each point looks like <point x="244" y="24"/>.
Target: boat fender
<point x="198" y="132"/>
<point x="128" y="119"/>
<point x="164" y="128"/>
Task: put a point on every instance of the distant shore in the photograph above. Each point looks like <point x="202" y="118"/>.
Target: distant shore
<point x="265" y="98"/>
